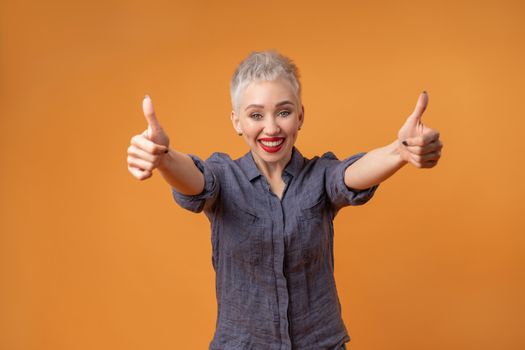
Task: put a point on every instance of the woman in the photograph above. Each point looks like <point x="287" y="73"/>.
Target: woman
<point x="271" y="211"/>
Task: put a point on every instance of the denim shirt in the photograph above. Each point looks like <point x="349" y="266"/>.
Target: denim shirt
<point x="273" y="258"/>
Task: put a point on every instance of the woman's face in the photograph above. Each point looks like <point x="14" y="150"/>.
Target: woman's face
<point x="270" y="115"/>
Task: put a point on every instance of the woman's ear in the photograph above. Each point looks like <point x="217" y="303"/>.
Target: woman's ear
<point x="236" y="122"/>
<point x="301" y="117"/>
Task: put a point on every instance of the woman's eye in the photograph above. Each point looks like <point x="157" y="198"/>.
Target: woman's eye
<point x="256" y="116"/>
<point x="284" y="113"/>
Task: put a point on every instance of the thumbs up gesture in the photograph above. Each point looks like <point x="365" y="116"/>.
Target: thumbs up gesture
<point x="148" y="148"/>
<point x="417" y="143"/>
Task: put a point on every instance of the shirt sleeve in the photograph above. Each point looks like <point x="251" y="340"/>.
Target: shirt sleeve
<point x="207" y="198"/>
<point x="339" y="194"/>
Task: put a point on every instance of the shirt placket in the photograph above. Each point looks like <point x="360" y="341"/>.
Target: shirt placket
<point x="278" y="239"/>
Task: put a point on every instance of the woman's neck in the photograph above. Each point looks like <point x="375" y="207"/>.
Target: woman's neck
<point x="272" y="171"/>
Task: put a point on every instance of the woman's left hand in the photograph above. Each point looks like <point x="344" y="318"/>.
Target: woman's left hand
<point x="417" y="143"/>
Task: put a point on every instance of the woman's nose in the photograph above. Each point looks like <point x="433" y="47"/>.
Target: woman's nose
<point x="271" y="127"/>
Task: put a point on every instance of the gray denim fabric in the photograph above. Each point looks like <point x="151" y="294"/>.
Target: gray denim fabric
<point x="273" y="258"/>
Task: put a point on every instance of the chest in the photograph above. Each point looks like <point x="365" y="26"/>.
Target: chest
<point x="264" y="220"/>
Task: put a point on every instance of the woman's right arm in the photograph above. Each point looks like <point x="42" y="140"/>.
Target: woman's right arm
<point x="150" y="150"/>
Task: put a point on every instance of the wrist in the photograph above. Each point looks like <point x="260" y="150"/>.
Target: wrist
<point x="397" y="150"/>
<point x="165" y="159"/>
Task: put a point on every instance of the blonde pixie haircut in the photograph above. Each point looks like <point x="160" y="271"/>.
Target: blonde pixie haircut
<point x="263" y="65"/>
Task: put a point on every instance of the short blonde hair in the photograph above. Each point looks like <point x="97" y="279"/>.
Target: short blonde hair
<point x="263" y="65"/>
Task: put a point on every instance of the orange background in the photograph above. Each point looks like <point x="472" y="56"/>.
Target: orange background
<point x="91" y="258"/>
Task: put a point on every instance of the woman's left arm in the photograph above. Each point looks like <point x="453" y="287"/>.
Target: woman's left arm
<point x="416" y="144"/>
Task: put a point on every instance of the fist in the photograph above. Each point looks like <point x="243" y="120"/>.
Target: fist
<point x="148" y="148"/>
<point x="417" y="143"/>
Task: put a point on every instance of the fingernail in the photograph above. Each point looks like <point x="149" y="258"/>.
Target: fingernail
<point x="404" y="143"/>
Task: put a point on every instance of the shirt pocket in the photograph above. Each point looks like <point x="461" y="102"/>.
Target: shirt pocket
<point x="314" y="228"/>
<point x="242" y="234"/>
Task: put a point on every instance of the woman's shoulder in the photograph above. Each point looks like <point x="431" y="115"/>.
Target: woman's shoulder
<point x="220" y="157"/>
<point x="329" y="159"/>
<point x="226" y="159"/>
<point x="329" y="155"/>
<point x="326" y="156"/>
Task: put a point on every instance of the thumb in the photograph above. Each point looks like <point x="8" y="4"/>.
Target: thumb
<point x="421" y="105"/>
<point x="149" y="113"/>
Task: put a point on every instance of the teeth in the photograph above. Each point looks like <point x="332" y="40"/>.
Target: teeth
<point x="272" y="143"/>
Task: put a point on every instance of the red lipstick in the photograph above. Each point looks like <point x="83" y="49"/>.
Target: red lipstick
<point x="271" y="148"/>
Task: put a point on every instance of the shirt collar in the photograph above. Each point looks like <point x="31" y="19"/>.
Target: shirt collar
<point x="294" y="166"/>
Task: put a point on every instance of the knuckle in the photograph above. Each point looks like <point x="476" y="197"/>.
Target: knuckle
<point x="145" y="175"/>
<point x="134" y="171"/>
<point x="150" y="149"/>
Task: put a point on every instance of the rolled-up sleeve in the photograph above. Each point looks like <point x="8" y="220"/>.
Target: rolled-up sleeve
<point x="339" y="194"/>
<point x="207" y="198"/>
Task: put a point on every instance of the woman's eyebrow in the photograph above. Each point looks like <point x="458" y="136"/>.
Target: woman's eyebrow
<point x="286" y="102"/>
<point x="282" y="103"/>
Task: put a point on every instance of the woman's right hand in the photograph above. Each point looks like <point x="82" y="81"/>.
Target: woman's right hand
<point x="147" y="149"/>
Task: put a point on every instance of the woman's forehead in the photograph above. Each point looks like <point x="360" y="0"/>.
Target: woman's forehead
<point x="263" y="92"/>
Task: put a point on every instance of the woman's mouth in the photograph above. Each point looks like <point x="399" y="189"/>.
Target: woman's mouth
<point x="271" y="145"/>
